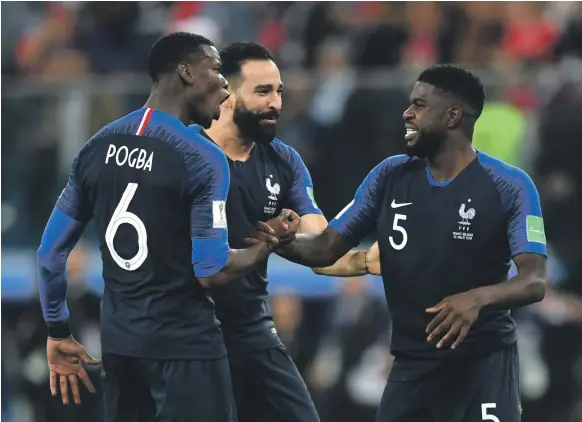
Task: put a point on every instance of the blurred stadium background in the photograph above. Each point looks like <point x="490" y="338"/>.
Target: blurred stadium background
<point x="68" y="68"/>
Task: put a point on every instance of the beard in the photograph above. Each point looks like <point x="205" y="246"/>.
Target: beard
<point x="250" y="126"/>
<point x="425" y="146"/>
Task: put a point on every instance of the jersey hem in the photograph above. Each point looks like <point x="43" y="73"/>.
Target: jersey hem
<point x="245" y="351"/>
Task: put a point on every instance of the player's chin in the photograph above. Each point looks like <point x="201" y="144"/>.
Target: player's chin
<point x="206" y="122"/>
<point x="267" y="132"/>
<point x="411" y="146"/>
<point x="413" y="149"/>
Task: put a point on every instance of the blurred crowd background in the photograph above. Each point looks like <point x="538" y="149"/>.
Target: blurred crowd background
<point x="68" y="68"/>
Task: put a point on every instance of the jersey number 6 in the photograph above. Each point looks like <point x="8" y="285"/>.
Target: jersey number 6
<point x="122" y="216"/>
<point x="395" y="226"/>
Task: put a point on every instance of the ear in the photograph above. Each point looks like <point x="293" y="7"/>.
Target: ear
<point x="185" y="73"/>
<point x="454" y="117"/>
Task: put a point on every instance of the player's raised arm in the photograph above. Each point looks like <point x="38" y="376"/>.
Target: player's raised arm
<point x="300" y="197"/>
<point x="353" y="223"/>
<point x="214" y="262"/>
<point x="62" y="232"/>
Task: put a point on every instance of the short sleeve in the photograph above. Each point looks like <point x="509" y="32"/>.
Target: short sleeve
<point x="301" y="198"/>
<point x="209" y="178"/>
<point x="358" y="218"/>
<point x="73" y="200"/>
<point x="525" y="223"/>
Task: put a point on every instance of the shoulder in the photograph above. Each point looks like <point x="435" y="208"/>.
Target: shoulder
<point x="186" y="140"/>
<point x="393" y="163"/>
<point x="125" y="125"/>
<point x="507" y="178"/>
<point x="202" y="157"/>
<point x="200" y="144"/>
<point x="379" y="175"/>
<point x="286" y="152"/>
<point x="130" y="124"/>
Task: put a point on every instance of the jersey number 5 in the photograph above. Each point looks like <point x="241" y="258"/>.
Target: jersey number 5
<point x="122" y="216"/>
<point x="395" y="226"/>
<point x="485" y="415"/>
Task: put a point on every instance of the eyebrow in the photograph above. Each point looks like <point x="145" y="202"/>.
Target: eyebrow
<point x="417" y="100"/>
<point x="214" y="61"/>
<point x="267" y="87"/>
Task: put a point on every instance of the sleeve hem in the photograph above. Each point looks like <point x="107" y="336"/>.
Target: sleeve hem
<point x="521" y="252"/>
<point x="202" y="270"/>
<point x="70" y="212"/>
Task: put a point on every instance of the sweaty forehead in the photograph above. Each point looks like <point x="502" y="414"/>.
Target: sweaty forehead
<point x="260" y="72"/>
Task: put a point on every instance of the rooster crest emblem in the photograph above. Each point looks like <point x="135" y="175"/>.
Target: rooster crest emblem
<point x="274" y="190"/>
<point x="466" y="215"/>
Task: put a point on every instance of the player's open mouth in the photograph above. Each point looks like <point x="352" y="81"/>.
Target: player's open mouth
<point x="269" y="121"/>
<point x="411" y="132"/>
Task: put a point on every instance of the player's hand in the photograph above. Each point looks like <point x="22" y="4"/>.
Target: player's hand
<point x="277" y="231"/>
<point x="263" y="233"/>
<point x="456" y="314"/>
<point x="285" y="226"/>
<point x="372" y="258"/>
<point x="64" y="360"/>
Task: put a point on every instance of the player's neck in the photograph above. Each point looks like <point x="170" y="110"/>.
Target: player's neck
<point x="161" y="99"/>
<point x="450" y="161"/>
<point x="227" y="136"/>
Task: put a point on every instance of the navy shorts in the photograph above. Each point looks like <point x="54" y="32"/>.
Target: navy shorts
<point x="268" y="388"/>
<point x="486" y="389"/>
<point x="151" y="390"/>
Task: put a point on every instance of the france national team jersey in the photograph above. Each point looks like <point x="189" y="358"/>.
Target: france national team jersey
<point x="274" y="177"/>
<point x="157" y="195"/>
<point x="438" y="239"/>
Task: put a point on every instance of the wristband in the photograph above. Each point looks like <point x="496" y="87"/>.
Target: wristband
<point x="59" y="331"/>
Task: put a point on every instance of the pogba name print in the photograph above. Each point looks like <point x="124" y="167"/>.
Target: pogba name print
<point x="137" y="158"/>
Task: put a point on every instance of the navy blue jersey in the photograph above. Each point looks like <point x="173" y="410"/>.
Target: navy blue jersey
<point x="274" y="177"/>
<point x="439" y="239"/>
<point x="157" y="196"/>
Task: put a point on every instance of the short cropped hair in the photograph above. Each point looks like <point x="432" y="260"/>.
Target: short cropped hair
<point x="171" y="49"/>
<point x="236" y="54"/>
<point x="462" y="83"/>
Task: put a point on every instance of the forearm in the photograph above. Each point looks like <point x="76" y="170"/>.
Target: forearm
<point x="514" y="293"/>
<point x="316" y="250"/>
<point x="352" y="264"/>
<point x="52" y="288"/>
<point x="60" y="236"/>
<point x="240" y="262"/>
<point x="307" y="249"/>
